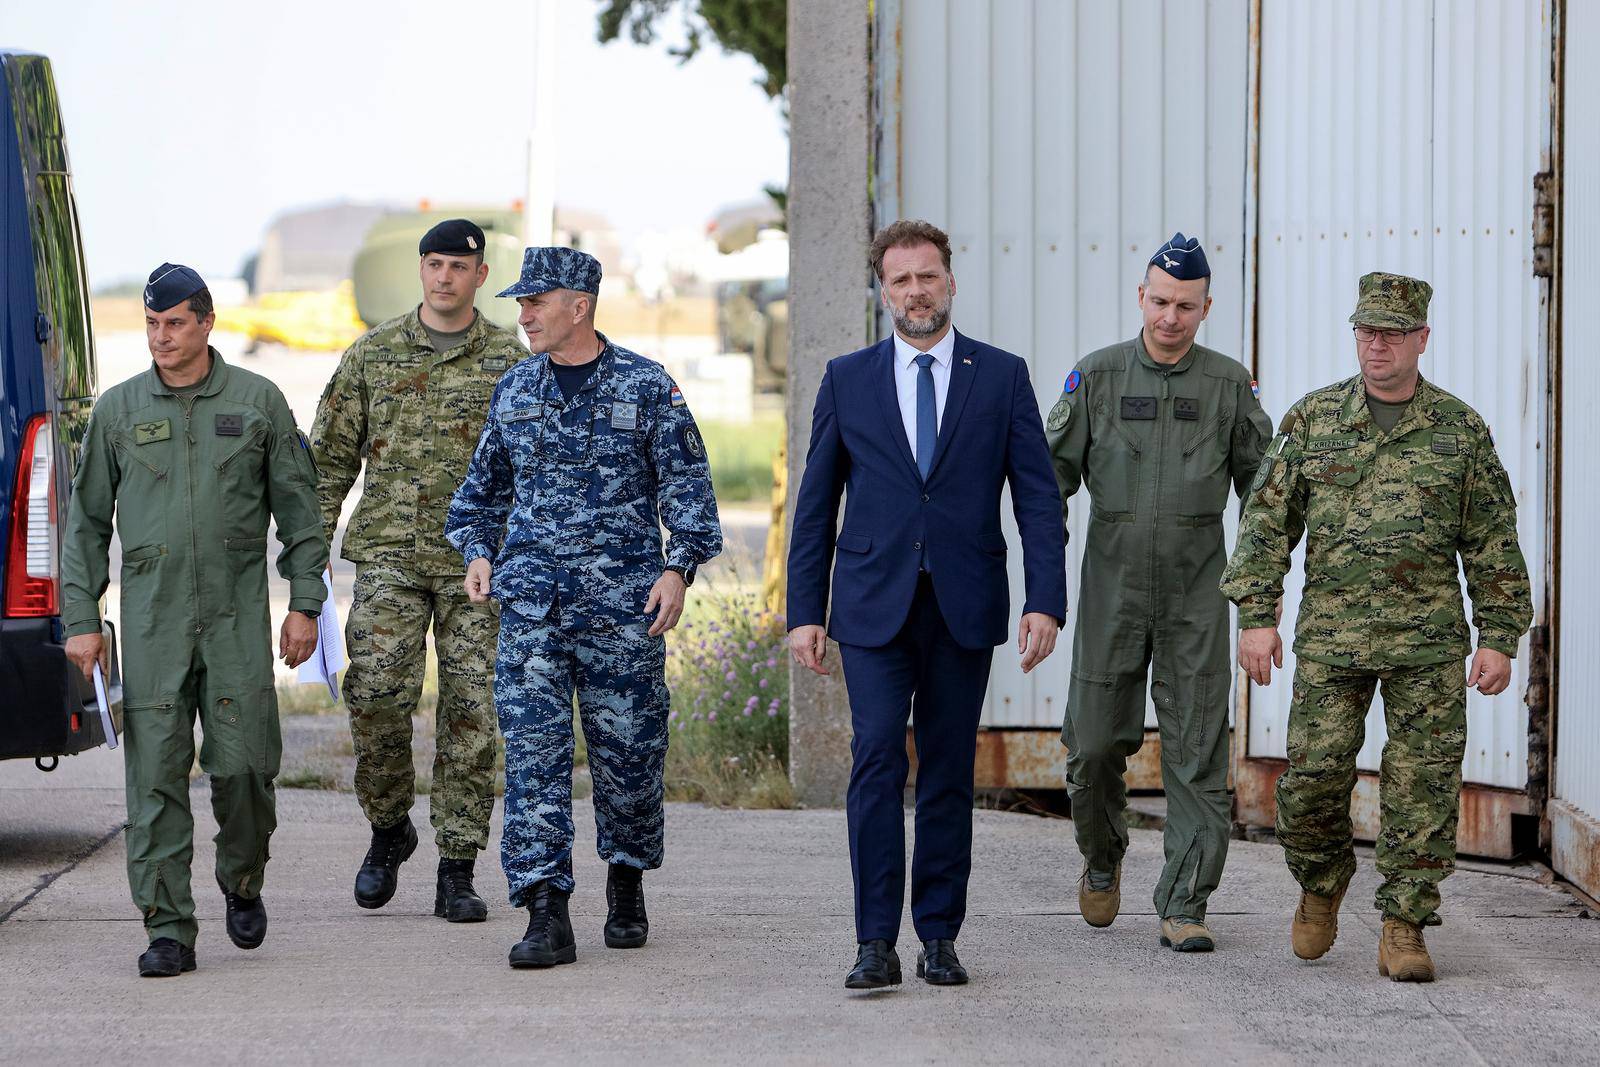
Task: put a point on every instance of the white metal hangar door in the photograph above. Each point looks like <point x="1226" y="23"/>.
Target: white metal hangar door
<point x="1575" y="801"/>
<point x="1405" y="136"/>
<point x="1059" y="144"/>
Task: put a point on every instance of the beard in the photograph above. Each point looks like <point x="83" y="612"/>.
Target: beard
<point x="927" y="327"/>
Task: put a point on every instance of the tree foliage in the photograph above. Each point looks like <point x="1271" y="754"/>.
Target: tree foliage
<point x="757" y="28"/>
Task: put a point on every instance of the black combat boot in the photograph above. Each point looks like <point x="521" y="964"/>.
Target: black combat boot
<point x="380" y="871"/>
<point x="549" y="938"/>
<point x="627" y="926"/>
<point x="165" y="958"/>
<point x="455" y="900"/>
<point x="246" y="920"/>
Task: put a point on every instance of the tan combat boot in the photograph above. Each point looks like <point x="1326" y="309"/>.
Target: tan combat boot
<point x="1187" y="935"/>
<point x="1316" y="924"/>
<point x="1099" y="906"/>
<point x="1402" y="956"/>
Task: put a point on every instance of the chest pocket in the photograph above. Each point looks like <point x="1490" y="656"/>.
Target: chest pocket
<point x="1334" y="461"/>
<point x="239" y="461"/>
<point x="1439" y="482"/>
<point x="394" y="380"/>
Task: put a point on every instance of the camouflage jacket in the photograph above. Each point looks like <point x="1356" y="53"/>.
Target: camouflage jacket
<point x="1385" y="516"/>
<point x="414" y="415"/>
<point x="576" y="491"/>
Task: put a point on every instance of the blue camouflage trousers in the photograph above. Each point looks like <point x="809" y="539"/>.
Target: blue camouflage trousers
<point x="618" y="673"/>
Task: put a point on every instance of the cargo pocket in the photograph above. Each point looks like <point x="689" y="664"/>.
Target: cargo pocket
<point x="241" y="734"/>
<point x="242" y="552"/>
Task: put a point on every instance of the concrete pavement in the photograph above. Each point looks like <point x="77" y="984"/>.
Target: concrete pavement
<point x="750" y="940"/>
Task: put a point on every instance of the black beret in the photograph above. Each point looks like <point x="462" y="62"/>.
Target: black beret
<point x="1183" y="258"/>
<point x="452" y="237"/>
<point x="170" y="285"/>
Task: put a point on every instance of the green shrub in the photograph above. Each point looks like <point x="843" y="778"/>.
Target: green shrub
<point x="729" y="723"/>
<point x="740" y="454"/>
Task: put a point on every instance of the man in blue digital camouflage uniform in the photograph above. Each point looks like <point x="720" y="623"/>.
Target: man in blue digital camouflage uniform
<point x="588" y="451"/>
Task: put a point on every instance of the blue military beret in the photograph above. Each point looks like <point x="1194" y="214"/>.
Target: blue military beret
<point x="544" y="269"/>
<point x="170" y="285"/>
<point x="452" y="237"/>
<point x="1183" y="258"/>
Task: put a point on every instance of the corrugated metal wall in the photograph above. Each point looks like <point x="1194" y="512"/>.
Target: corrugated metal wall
<point x="1404" y="135"/>
<point x="1577" y="770"/>
<point x="1059" y="144"/>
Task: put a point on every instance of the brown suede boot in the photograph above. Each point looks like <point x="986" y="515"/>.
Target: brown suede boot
<point x="1402" y="956"/>
<point x="1099" y="906"/>
<point x="1316" y="924"/>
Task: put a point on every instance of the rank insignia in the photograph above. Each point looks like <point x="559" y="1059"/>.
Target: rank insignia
<point x="230" y="425"/>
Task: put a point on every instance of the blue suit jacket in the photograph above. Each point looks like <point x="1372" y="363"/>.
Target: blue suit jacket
<point x="990" y="434"/>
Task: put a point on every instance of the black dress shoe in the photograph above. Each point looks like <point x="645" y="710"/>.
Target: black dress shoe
<point x="627" y="926"/>
<point x="455" y="900"/>
<point x="165" y="958"/>
<point x="549" y="938"/>
<point x="937" y="963"/>
<point x="247" y="919"/>
<point x="380" y="871"/>
<point x="877" y="966"/>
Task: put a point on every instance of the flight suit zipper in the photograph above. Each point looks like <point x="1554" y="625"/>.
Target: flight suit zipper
<point x="188" y="479"/>
<point x="1154" y="584"/>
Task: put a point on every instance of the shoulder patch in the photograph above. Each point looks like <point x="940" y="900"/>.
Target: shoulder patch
<point x="693" y="447"/>
<point x="1255" y="389"/>
<point x="677" y="397"/>
<point x="1074" y="380"/>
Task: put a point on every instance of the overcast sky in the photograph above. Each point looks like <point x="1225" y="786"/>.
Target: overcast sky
<point x="191" y="124"/>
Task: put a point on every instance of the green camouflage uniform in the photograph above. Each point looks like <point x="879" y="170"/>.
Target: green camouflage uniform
<point x="192" y="480"/>
<point x="1385" y="517"/>
<point x="414" y="415"/>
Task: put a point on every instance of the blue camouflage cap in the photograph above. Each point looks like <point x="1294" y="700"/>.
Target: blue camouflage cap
<point x="170" y="285"/>
<point x="1183" y="258"/>
<point x="544" y="269"/>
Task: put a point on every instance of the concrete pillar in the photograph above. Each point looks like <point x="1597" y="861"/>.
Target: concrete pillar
<point x="830" y="129"/>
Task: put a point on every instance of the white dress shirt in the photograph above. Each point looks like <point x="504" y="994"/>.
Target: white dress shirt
<point x="905" y="382"/>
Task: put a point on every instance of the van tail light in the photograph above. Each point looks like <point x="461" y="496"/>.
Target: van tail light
<point x="33" y="586"/>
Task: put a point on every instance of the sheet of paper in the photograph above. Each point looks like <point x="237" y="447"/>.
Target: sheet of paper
<point x="329" y="659"/>
<point x="104" y="704"/>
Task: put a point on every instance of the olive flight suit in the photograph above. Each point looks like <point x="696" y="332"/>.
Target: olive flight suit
<point x="1159" y="446"/>
<point x="192" y="480"/>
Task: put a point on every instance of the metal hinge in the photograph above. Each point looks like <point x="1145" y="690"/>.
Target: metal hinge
<point x="1544" y="224"/>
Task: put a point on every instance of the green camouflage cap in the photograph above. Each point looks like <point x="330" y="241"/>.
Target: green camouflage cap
<point x="1391" y="301"/>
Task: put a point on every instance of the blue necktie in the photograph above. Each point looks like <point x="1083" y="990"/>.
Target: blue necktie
<point x="927" y="415"/>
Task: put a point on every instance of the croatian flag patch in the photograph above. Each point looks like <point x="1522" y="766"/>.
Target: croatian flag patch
<point x="1255" y="390"/>
<point x="677" y="397"/>
<point x="1073" y="381"/>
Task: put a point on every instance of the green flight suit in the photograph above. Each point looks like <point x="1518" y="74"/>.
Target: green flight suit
<point x="192" y="481"/>
<point x="1159" y="446"/>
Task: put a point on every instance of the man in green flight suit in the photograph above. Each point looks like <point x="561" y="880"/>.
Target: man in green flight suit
<point x="1389" y="478"/>
<point x="1159" y="427"/>
<point x="192" y="456"/>
<point x="409" y="398"/>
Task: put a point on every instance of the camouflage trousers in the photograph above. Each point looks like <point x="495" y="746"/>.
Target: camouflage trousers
<point x="618" y="673"/>
<point x="386" y="637"/>
<point x="1419" y="783"/>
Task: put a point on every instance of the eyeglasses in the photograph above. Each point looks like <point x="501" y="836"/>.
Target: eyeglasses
<point x="1365" y="334"/>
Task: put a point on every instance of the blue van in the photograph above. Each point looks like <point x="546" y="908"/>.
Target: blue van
<point x="47" y="385"/>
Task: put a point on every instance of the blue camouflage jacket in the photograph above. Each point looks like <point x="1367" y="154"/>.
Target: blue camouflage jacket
<point x="579" y="489"/>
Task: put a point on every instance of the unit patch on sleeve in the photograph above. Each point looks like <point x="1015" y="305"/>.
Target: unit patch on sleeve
<point x="1074" y="380"/>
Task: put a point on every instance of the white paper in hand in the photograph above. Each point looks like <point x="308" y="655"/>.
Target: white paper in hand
<point x="328" y="660"/>
<point x="104" y="704"/>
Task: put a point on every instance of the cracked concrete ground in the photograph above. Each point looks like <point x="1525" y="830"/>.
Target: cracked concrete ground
<point x="750" y="940"/>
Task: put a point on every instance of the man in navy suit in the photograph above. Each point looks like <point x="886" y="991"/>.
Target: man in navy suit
<point x="920" y="432"/>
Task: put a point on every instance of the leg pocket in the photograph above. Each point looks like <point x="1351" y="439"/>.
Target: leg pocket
<point x="241" y="734"/>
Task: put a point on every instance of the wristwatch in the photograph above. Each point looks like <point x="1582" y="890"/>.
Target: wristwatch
<point x="686" y="573"/>
<point x="308" y="614"/>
